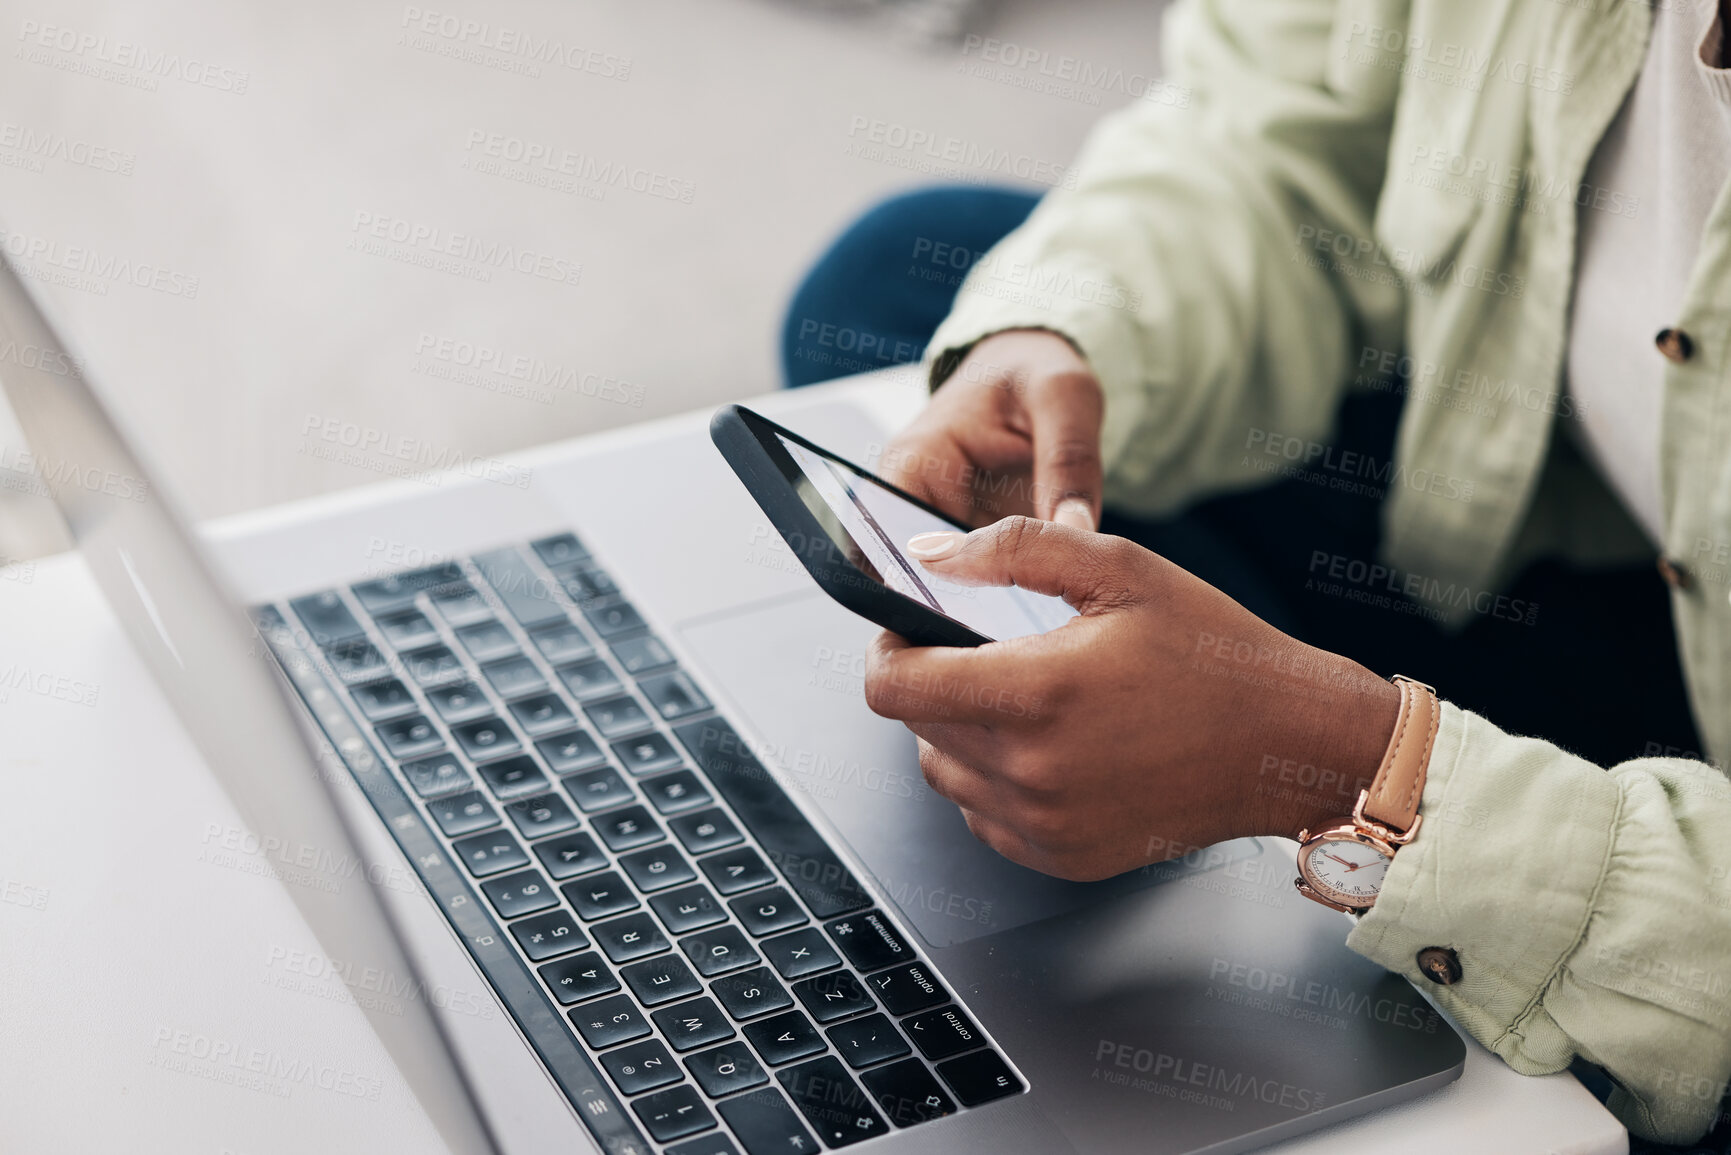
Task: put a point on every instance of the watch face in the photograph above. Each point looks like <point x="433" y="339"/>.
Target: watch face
<point x="1347" y="871"/>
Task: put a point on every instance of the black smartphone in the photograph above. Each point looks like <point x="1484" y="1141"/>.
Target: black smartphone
<point x="849" y="529"/>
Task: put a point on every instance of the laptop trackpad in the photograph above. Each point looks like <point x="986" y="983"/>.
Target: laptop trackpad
<point x="793" y="670"/>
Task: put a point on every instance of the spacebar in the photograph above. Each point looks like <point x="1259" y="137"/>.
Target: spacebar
<point x="812" y="868"/>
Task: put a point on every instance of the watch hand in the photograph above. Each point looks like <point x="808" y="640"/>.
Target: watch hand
<point x="1340" y="860"/>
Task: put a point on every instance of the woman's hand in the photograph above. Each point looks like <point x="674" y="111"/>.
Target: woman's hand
<point x="1140" y="730"/>
<point x="1014" y="430"/>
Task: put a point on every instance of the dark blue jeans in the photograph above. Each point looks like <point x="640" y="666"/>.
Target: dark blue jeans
<point x="1584" y="658"/>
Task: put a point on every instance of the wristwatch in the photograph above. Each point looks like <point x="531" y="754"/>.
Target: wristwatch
<point x="1342" y="865"/>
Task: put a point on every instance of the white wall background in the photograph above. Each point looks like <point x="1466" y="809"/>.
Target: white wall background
<point x="345" y="117"/>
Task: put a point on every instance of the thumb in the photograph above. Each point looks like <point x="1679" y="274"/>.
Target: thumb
<point x="1044" y="557"/>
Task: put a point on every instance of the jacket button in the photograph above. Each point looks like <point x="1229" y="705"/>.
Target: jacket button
<point x="1675" y="344"/>
<point x="1440" y="965"/>
<point x="1675" y="573"/>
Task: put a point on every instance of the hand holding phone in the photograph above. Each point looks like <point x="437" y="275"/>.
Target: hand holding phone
<point x="850" y="530"/>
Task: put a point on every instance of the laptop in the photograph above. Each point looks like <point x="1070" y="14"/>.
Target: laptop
<point x="610" y="740"/>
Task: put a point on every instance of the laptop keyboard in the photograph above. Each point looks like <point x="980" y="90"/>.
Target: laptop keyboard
<point x="684" y="950"/>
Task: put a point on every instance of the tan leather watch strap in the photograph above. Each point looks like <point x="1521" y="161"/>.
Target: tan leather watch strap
<point x="1393" y="798"/>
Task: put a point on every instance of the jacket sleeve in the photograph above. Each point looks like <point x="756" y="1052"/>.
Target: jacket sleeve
<point x="1212" y="258"/>
<point x="1590" y="911"/>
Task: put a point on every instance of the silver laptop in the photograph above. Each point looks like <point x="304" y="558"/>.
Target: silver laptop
<point x="620" y="748"/>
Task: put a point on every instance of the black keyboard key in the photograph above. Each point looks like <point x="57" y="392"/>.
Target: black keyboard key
<point x="693" y="1024"/>
<point x="356" y="661"/>
<point x="641" y="1067"/>
<point x="459" y="604"/>
<point x="980" y="1078"/>
<point x="866" y="1041"/>
<point x="398" y="590"/>
<point x="562" y="643"/>
<point x="548" y="934"/>
<point x="590" y="679"/>
<point x="641" y="654"/>
<point x="610" y="1022"/>
<point x="727" y="1069"/>
<point x="570" y="856"/>
<point x="673" y="1114"/>
<point x="716" y="1144"/>
<point x="675" y="792"/>
<point x="627" y="828"/>
<point x="327" y="618"/>
<point x="813" y="870"/>
<point x="804" y="952"/>
<point x="751" y="993"/>
<point x="907" y="1094"/>
<point x="527" y="598"/>
<point x="765" y="1124"/>
<point x="407" y="630"/>
<point x="868" y="940"/>
<point x="598" y="789"/>
<point x="541" y="815"/>
<point x="542" y="713"/>
<point x="566" y="753"/>
<point x="382" y="699"/>
<point x="768" y="911"/>
<point x="561" y="549"/>
<point x="657" y="868"/>
<point x="617" y="717"/>
<point x="943" y="1032"/>
<point x="718" y="950"/>
<point x="600" y="896"/>
<point x="587" y="584"/>
<point x="613" y="619"/>
<point x="647" y="754"/>
<point x="633" y="937"/>
<point x="440" y="774"/>
<point x="661" y="980"/>
<point x="459" y="701"/>
<point x="673" y="695"/>
<point x="514" y="677"/>
<point x="486" y="738"/>
<point x="832" y="1102"/>
<point x="705" y="831"/>
<point x="431" y="665"/>
<point x="407" y="737"/>
<point x="491" y="853"/>
<point x="833" y="996"/>
<point x="513" y="777"/>
<point x="516" y="895"/>
<point x="577" y="978"/>
<point x="784" y="1038"/>
<point x="487" y="640"/>
<point x="908" y="988"/>
<point x="687" y="909"/>
<point x="462" y="814"/>
<point x="737" y="870"/>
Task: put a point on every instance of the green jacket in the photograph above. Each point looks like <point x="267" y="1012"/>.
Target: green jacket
<point x="1344" y="183"/>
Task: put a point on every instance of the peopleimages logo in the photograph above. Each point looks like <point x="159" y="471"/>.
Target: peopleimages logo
<point x="1180" y="1073"/>
<point x="42" y="257"/>
<point x="919" y="148"/>
<point x="520" y="46"/>
<point x="375" y="233"/>
<point x="155" y="64"/>
<point x="41" y="145"/>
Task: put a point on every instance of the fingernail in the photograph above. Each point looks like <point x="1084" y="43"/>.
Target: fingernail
<point x="932" y="546"/>
<point x="1076" y="512"/>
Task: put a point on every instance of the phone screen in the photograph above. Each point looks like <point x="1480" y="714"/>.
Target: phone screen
<point x="878" y="521"/>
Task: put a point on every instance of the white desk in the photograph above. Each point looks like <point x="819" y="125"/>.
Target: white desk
<point x="100" y="1049"/>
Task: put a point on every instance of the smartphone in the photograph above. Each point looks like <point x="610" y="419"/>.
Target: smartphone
<point x="850" y="531"/>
